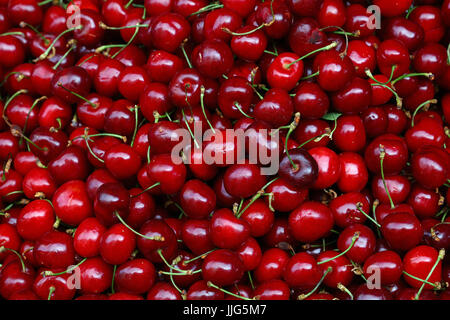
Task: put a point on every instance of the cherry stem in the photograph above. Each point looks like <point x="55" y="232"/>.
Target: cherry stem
<point x="429" y="75"/>
<point x="12" y="33"/>
<point x="69" y="270"/>
<point x="23" y="24"/>
<point x="312" y="75"/>
<point x="136" y="31"/>
<point x="156" y="238"/>
<point x="354" y="239"/>
<point x="359" y="207"/>
<point x="304" y="296"/>
<point x="106" y="27"/>
<point x="185" y="54"/>
<point x="147" y="189"/>
<point x="136" y="119"/>
<point x="19" y="78"/>
<point x="202" y="256"/>
<point x="128" y="4"/>
<point x="42" y="3"/>
<point x="440" y="257"/>
<point x="202" y="105"/>
<point x="380" y="84"/>
<point x="189" y="129"/>
<point x="410" y="9"/>
<point x="148" y="154"/>
<point x="187" y="272"/>
<point x="47" y="52"/>
<point x="212" y="6"/>
<point x="421" y="280"/>
<point x="236" y="104"/>
<point x="102" y="134"/>
<point x="343" y="288"/>
<point x="57" y="64"/>
<point x="382" y="156"/>
<point x="51" y="290"/>
<point x="3" y="248"/>
<point x="93" y="105"/>
<point x="328" y="47"/>
<point x="292" y="127"/>
<point x="256" y="197"/>
<point x="341" y="31"/>
<point x="270" y="52"/>
<point x="112" y="279"/>
<point x="423" y="104"/>
<point x="212" y="285"/>
<point x="29" y="113"/>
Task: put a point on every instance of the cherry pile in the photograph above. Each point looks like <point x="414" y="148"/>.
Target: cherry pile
<point x="94" y="94"/>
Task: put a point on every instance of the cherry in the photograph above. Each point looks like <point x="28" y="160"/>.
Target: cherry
<point x="95" y="276"/>
<point x="54" y="250"/>
<point x="162" y="66"/>
<point x="429" y="18"/>
<point x="418" y="262"/>
<point x="259" y="217"/>
<point x="331" y="13"/>
<point x="328" y="167"/>
<point x="305" y="36"/>
<point x="430" y="166"/>
<point x="196" y="236"/>
<point x="272" y="290"/>
<point x="87" y="237"/>
<point x="122" y="161"/>
<point x="235" y="97"/>
<point x="243" y="180"/>
<point x="362" y="247"/>
<point x="163" y="291"/>
<point x="358" y="20"/>
<point x="424" y="202"/>
<point x="15" y="278"/>
<point x="227" y="231"/>
<point x="341" y="271"/>
<point x="285" y="197"/>
<point x="111" y="199"/>
<point x="38" y="182"/>
<point x="201" y="291"/>
<point x="302" y="271"/>
<point x="212" y="58"/>
<point x="392" y="53"/>
<point x="299" y="169"/>
<point x="275" y="109"/>
<point x="363" y="292"/>
<point x="388" y="263"/>
<point x="10" y="239"/>
<point x="90" y="33"/>
<point x="135" y="277"/>
<point x="106" y="80"/>
<point x="311" y="101"/>
<point x="218" y="23"/>
<point x="401" y="230"/>
<point x="185" y="88"/>
<point x="346" y="209"/>
<point x="117" y="244"/>
<point x="248" y="44"/>
<point x="197" y="199"/>
<point x="159" y="169"/>
<point x="222" y="267"/>
<point x="169" y="30"/>
<point x="160" y="241"/>
<point x="334" y="71"/>
<point x="35" y="219"/>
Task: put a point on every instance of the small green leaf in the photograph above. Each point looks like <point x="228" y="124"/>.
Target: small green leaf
<point x="332" y="116"/>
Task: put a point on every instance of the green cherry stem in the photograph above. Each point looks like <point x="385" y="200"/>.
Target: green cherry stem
<point x="202" y="105"/>
<point x="328" y="47"/>
<point x="359" y="207"/>
<point x="441" y="256"/>
<point x="304" y="296"/>
<point x="156" y="238"/>
<point x="354" y="239"/>
<point x="382" y="156"/>
<point x="49" y="49"/>
<point x="423" y="104"/>
<point x="3" y="249"/>
<point x="212" y="285"/>
<point x="49" y="273"/>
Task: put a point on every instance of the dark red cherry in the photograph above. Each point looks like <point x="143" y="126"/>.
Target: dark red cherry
<point x="75" y="79"/>
<point x="166" y="244"/>
<point x="222" y="267"/>
<point x="87" y="237"/>
<point x="197" y="199"/>
<point x="95" y="276"/>
<point x="276" y="108"/>
<point x="363" y="246"/>
<point x="135" y="276"/>
<point x="430" y="166"/>
<point x="302" y="271"/>
<point x="402" y="231"/>
<point x="54" y="250"/>
<point x="419" y="262"/>
<point x="169" y="30"/>
<point x="218" y="20"/>
<point x="387" y="263"/>
<point x="304" y="172"/>
<point x="110" y="200"/>
<point x="117" y="244"/>
<point x="35" y="219"/>
<point x="227" y="231"/>
<point x="243" y="180"/>
<point x="212" y="58"/>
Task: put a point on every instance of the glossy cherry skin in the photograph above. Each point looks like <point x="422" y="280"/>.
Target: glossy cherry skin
<point x="398" y="186"/>
<point x="350" y="134"/>
<point x="171" y="176"/>
<point x="345" y="209"/>
<point x="150" y="248"/>
<point x="218" y="19"/>
<point x="310" y="221"/>
<point x="201" y="291"/>
<point x="243" y="180"/>
<point x="222" y="267"/>
<point x="249" y="46"/>
<point x="111" y="199"/>
<point x="328" y="167"/>
<point x="14" y="279"/>
<point x="311" y="101"/>
<point x="162" y="66"/>
<point x="71" y="202"/>
<point x="389" y="264"/>
<point x="402" y="231"/>
<point x="87" y="237"/>
<point x="227" y="231"/>
<point x="272" y="290"/>
<point x="212" y="58"/>
<point x="197" y="199"/>
<point x="396" y="154"/>
<point x="285" y="71"/>
<point x="54" y="250"/>
<point x="285" y="197"/>
<point x="304" y="174"/>
<point x="185" y="88"/>
<point x="353" y="172"/>
<point x="280" y="234"/>
<point x="302" y="271"/>
<point x="136" y="276"/>
<point x="75" y="79"/>
<point x="168" y="31"/>
<point x="91" y="33"/>
<point x="95" y="276"/>
<point x="426" y="132"/>
<point x="259" y="217"/>
<point x="418" y="262"/>
<point x="122" y="161"/>
<point x="196" y="236"/>
<point x="390" y="53"/>
<point x="10" y="186"/>
<point x="12" y="51"/>
<point x="364" y="293"/>
<point x="106" y="80"/>
<point x="250" y="254"/>
<point x="272" y="265"/>
<point x="430" y="166"/>
<point x="364" y="245"/>
<point x="35" y="219"/>
<point x="9" y="238"/>
<point x="341" y="270"/>
<point x="334" y="71"/>
<point x="71" y="164"/>
<point x="424" y="202"/>
<point x="38" y="182"/>
<point x="116" y="244"/>
<point x="163" y="291"/>
<point x="429" y="18"/>
<point x="275" y="109"/>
